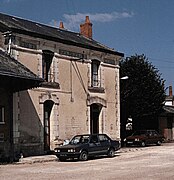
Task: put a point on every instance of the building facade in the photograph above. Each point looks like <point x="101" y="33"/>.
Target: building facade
<point x="166" y="119"/>
<point x="80" y="92"/>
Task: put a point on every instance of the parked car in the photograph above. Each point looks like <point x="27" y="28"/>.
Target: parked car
<point x="87" y="145"/>
<point x="143" y="138"/>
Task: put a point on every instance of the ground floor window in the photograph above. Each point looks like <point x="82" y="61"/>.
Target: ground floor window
<point x="2" y="119"/>
<point x="1" y="137"/>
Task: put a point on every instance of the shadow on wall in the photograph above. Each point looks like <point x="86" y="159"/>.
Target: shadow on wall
<point x="30" y="127"/>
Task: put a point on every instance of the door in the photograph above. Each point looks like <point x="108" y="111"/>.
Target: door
<point x="47" y="111"/>
<point x="95" y="110"/>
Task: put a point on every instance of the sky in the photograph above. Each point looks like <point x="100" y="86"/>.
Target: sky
<point x="128" y="26"/>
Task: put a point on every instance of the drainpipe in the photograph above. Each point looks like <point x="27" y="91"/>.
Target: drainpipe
<point x="9" y="44"/>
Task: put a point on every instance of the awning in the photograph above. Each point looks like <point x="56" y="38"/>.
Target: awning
<point x="14" y="76"/>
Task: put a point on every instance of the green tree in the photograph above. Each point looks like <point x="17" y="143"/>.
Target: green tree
<point x="143" y="94"/>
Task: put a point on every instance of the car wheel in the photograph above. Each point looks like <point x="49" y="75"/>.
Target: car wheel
<point x="111" y="152"/>
<point x="62" y="159"/>
<point x="158" y="143"/>
<point x="143" y="144"/>
<point x="83" y="156"/>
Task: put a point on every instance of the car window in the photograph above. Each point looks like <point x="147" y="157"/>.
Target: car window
<point x="103" y="138"/>
<point x="139" y="133"/>
<point x="75" y="140"/>
<point x="150" y="133"/>
<point x="94" y="139"/>
<point x="84" y="139"/>
<point x="154" y="133"/>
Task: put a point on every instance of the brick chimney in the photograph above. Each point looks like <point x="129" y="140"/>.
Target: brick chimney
<point x="61" y="26"/>
<point x="86" y="28"/>
<point x="170" y="91"/>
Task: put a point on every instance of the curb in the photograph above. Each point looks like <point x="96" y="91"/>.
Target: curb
<point x="37" y="159"/>
<point x="124" y="150"/>
<point x="49" y="158"/>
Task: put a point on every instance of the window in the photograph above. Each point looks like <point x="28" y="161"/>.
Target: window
<point x="103" y="138"/>
<point x="75" y="140"/>
<point x="2" y="121"/>
<point x="154" y="133"/>
<point x="47" y="58"/>
<point x="28" y="45"/>
<point x="94" y="139"/>
<point x="95" y="74"/>
<point x="1" y="137"/>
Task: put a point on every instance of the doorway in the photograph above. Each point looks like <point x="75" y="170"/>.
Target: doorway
<point x="48" y="105"/>
<point x="95" y="110"/>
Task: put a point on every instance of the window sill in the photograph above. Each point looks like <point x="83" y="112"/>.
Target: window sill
<point x="51" y="85"/>
<point x="96" y="89"/>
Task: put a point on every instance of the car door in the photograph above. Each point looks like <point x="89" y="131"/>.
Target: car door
<point x="105" y="143"/>
<point x="150" y="137"/>
<point x="156" y="137"/>
<point x="94" y="145"/>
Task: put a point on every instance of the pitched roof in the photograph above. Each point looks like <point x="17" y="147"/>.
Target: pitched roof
<point x="23" y="26"/>
<point x="16" y="76"/>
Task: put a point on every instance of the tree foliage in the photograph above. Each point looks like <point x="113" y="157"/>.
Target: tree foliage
<point x="143" y="94"/>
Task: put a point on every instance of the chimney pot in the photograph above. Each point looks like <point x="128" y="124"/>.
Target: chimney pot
<point x="86" y="28"/>
<point x="87" y="19"/>
<point x="61" y="26"/>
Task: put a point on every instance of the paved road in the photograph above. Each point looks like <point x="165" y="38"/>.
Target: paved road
<point x="149" y="163"/>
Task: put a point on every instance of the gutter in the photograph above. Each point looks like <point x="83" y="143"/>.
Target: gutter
<point x="51" y="38"/>
<point x="20" y="77"/>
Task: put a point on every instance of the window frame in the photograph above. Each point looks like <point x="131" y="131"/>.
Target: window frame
<point x="95" y="74"/>
<point x="47" y="60"/>
<point x="2" y="115"/>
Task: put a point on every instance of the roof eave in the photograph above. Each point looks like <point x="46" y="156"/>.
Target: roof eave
<point x="38" y="35"/>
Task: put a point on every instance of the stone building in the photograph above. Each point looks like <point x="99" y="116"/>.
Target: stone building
<point x="80" y="92"/>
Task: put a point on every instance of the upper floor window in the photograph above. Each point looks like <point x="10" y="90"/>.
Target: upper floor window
<point x="2" y="118"/>
<point x="47" y="58"/>
<point x="95" y="76"/>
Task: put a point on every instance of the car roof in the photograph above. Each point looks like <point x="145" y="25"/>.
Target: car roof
<point x="89" y="134"/>
<point x="145" y="130"/>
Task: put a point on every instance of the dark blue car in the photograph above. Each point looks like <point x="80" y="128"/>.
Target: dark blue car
<point x="87" y="145"/>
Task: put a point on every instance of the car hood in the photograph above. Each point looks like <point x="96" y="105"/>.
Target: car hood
<point x="135" y="137"/>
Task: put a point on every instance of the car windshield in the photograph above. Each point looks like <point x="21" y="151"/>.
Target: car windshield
<point x="139" y="133"/>
<point x="79" y="139"/>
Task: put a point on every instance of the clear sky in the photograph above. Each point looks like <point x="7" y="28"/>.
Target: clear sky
<point x="128" y="26"/>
